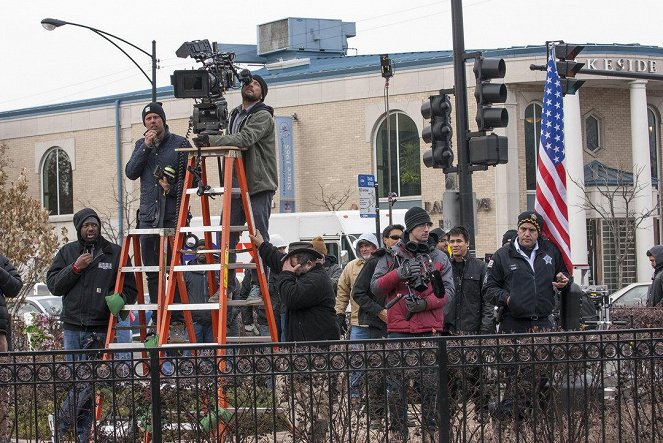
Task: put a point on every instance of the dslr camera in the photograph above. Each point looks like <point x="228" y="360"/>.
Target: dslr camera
<point x="427" y="275"/>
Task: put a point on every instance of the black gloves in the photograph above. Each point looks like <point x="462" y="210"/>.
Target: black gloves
<point x="415" y="304"/>
<point x="408" y="270"/>
<point x="342" y="323"/>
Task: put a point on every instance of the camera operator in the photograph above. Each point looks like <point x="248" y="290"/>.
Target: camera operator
<point x="161" y="171"/>
<point x="407" y="277"/>
<point x="251" y="126"/>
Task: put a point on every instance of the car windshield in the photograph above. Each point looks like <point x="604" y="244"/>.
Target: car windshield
<point x="52" y="305"/>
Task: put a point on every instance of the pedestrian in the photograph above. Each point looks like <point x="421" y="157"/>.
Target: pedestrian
<point x="441" y="240"/>
<point x="521" y="281"/>
<point x="161" y="172"/>
<point x="83" y="273"/>
<point x="407" y="277"/>
<point x="655" y="293"/>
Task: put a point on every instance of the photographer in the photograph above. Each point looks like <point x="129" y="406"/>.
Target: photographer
<point x="161" y="172"/>
<point x="408" y="278"/>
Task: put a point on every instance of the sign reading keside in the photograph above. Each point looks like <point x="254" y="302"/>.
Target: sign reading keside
<point x="622" y="64"/>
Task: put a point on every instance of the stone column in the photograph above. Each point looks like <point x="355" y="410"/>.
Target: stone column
<point x="575" y="185"/>
<point x="644" y="236"/>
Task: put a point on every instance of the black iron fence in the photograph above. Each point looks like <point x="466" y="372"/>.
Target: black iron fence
<point x="556" y="387"/>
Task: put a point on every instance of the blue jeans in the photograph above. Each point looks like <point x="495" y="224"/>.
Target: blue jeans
<point x="76" y="410"/>
<point x="284" y="337"/>
<point x="123" y="336"/>
<point x="204" y="333"/>
<point x="357" y="333"/>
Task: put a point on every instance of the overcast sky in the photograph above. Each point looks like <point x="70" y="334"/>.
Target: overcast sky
<point x="69" y="63"/>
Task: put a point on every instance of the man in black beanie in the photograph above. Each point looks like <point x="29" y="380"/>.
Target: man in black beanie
<point x="251" y="127"/>
<point x="161" y="171"/>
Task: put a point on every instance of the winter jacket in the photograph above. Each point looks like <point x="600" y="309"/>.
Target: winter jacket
<point x="256" y="133"/>
<point x="655" y="293"/>
<point x="309" y="299"/>
<point x="333" y="270"/>
<point x="344" y="290"/>
<point x="83" y="303"/>
<point x="197" y="290"/>
<point x="10" y="286"/>
<point x="531" y="291"/>
<point x="369" y="304"/>
<point x="386" y="282"/>
<point x="143" y="163"/>
<point x="469" y="313"/>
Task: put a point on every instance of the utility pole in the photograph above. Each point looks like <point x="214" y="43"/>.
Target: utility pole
<point x="462" y="126"/>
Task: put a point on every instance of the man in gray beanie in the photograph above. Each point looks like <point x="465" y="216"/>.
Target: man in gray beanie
<point x="251" y="127"/>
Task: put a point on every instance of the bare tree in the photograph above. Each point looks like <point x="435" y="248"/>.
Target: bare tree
<point x="29" y="240"/>
<point x="331" y="201"/>
<point x="617" y="191"/>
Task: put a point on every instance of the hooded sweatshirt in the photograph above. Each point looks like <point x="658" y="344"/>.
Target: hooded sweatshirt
<point x="655" y="294"/>
<point x="347" y="280"/>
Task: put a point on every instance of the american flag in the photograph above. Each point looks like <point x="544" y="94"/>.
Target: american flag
<point x="551" y="167"/>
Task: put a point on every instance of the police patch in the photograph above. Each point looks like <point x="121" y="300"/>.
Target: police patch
<point x="108" y="266"/>
<point x="547" y="259"/>
<point x="490" y="264"/>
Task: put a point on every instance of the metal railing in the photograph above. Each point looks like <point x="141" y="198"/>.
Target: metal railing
<point x="550" y="387"/>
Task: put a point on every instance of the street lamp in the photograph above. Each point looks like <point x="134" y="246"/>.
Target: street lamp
<point x="51" y="23"/>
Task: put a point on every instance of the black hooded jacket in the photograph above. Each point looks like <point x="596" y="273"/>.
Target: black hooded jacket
<point x="370" y="304"/>
<point x="10" y="285"/>
<point x="655" y="294"/>
<point x="83" y="304"/>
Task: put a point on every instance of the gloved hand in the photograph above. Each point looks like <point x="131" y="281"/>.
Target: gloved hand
<point x="115" y="303"/>
<point x="415" y="304"/>
<point x="408" y="270"/>
<point x="342" y="323"/>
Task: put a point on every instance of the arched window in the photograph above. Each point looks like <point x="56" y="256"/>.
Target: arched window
<point x="532" y="138"/>
<point x="593" y="140"/>
<point x="652" y="118"/>
<point x="405" y="156"/>
<point x="56" y="182"/>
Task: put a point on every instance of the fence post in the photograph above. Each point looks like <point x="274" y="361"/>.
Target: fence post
<point x="155" y="391"/>
<point x="443" y="414"/>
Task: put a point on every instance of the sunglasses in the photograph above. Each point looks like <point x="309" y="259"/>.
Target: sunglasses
<point x="395" y="237"/>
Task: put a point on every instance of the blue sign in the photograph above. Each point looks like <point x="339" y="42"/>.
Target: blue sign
<point x="286" y="164"/>
<point x="366" y="195"/>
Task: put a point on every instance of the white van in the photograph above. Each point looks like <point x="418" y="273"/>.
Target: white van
<point x="339" y="229"/>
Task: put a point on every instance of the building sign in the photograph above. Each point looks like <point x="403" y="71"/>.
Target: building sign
<point x="366" y="195"/>
<point x="286" y="164"/>
<point x="622" y="64"/>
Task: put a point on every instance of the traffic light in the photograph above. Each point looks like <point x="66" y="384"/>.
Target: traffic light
<point x="489" y="150"/>
<point x="438" y="110"/>
<point x="567" y="68"/>
<point x="487" y="93"/>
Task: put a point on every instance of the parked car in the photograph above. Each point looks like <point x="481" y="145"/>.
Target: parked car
<point x="634" y="294"/>
<point x="41" y="304"/>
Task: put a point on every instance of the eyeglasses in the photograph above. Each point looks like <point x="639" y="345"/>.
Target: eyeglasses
<point x="395" y="237"/>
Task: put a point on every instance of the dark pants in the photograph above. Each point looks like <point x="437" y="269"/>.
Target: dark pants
<point x="397" y="382"/>
<point x="261" y="207"/>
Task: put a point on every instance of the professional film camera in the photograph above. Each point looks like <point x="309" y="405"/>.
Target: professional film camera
<point x="208" y="84"/>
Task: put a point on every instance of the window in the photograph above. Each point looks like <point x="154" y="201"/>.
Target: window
<point x="592" y="133"/>
<point x="56" y="182"/>
<point x="652" y="118"/>
<point x="532" y="138"/>
<point x="405" y="156"/>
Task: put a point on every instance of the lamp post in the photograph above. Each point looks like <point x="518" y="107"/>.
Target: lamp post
<point x="51" y="23"/>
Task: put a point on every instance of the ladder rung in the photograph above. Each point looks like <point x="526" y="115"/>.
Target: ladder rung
<point x="132" y="345"/>
<point x="143" y="307"/>
<point x="150" y="231"/>
<point x="212" y="306"/>
<point x="214" y="191"/>
<point x="213" y="267"/>
<point x="216" y="228"/>
<point x="200" y="251"/>
<point x="141" y="269"/>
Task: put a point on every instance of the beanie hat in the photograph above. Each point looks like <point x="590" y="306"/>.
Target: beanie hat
<point x="263" y="85"/>
<point x="533" y="218"/>
<point x="154" y="108"/>
<point x="319" y="245"/>
<point x="438" y="233"/>
<point x="416" y="216"/>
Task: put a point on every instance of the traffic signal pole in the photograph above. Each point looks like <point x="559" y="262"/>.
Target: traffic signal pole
<point x="462" y="126"/>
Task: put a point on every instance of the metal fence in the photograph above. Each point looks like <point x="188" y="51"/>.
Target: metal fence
<point x="556" y="387"/>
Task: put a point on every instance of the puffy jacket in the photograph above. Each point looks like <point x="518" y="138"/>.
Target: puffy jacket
<point x="83" y="303"/>
<point x="143" y="163"/>
<point x="309" y="301"/>
<point x="10" y="286"/>
<point x="469" y="312"/>
<point x="386" y="282"/>
<point x="531" y="291"/>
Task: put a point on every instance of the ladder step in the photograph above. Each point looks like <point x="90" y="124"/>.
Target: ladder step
<point x="212" y="306"/>
<point x="216" y="228"/>
<point x="200" y="251"/>
<point x="141" y="269"/>
<point x="132" y="345"/>
<point x="213" y="267"/>
<point x="150" y="231"/>
<point x="143" y="307"/>
<point x="215" y="191"/>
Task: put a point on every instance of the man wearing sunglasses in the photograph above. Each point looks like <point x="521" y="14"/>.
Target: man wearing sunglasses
<point x="406" y="280"/>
